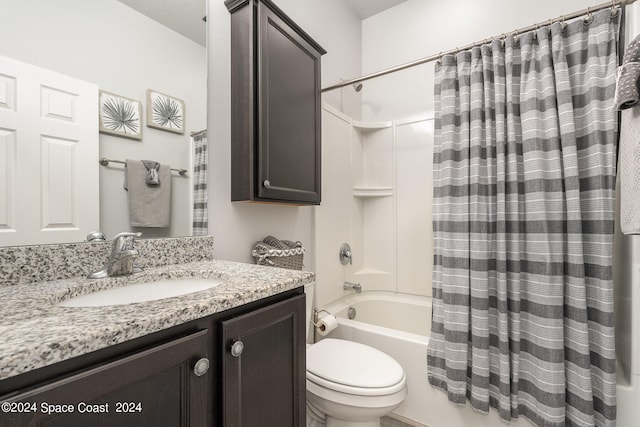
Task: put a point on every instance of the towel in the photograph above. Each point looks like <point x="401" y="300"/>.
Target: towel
<point x="626" y="95"/>
<point x="629" y="171"/>
<point x="152" y="172"/>
<point x="149" y="205"/>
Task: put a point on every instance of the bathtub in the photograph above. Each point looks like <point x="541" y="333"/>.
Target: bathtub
<point x="399" y="325"/>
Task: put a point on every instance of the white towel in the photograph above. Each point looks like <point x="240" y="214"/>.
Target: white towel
<point x="149" y="205"/>
<point x="627" y="95"/>
<point x="629" y="172"/>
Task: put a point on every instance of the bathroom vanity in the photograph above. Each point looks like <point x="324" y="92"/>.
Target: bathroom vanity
<point x="233" y="355"/>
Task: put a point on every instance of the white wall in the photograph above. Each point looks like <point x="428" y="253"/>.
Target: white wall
<point x="237" y="226"/>
<point x="420" y="28"/>
<point x="333" y="218"/>
<point x="124" y="52"/>
<point x="378" y="186"/>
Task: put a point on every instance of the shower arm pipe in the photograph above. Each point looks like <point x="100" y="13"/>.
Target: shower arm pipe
<point x="435" y="57"/>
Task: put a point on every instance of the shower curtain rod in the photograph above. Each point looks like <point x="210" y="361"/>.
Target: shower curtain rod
<point x="439" y="55"/>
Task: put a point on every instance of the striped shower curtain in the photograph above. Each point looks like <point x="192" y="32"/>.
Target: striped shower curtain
<point x="200" y="198"/>
<point x="524" y="177"/>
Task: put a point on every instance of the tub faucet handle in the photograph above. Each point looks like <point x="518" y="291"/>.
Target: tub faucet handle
<point x="345" y="254"/>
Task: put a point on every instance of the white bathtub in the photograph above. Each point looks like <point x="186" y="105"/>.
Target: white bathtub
<point x="399" y="325"/>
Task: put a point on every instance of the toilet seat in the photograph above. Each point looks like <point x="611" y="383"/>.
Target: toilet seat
<point x="359" y="391"/>
<point x="353" y="368"/>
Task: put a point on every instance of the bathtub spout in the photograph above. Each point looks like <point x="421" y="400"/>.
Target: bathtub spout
<point x="348" y="286"/>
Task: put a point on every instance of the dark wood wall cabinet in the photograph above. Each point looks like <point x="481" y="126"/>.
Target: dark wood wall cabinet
<point x="241" y="368"/>
<point x="275" y="106"/>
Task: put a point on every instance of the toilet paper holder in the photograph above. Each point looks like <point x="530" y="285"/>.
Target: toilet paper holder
<point x="316" y="313"/>
<point x="324" y="325"/>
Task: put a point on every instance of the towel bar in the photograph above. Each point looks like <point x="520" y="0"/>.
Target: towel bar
<point x="105" y="162"/>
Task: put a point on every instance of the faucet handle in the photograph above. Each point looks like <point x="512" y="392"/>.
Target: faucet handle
<point x="345" y="254"/>
<point x="127" y="234"/>
<point x="120" y="240"/>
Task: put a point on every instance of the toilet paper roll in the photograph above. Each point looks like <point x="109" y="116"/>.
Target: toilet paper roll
<point x="326" y="324"/>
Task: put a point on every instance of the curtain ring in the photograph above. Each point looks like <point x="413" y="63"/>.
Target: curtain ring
<point x="535" y="33"/>
<point x="516" y="38"/>
<point x="486" y="42"/>
<point x="563" y="24"/>
<point x="503" y="39"/>
<point x="614" y="10"/>
<point x="589" y="19"/>
<point x="439" y="61"/>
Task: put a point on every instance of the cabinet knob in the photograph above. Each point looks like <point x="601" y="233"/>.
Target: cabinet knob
<point x="237" y="348"/>
<point x="266" y="183"/>
<point x="201" y="367"/>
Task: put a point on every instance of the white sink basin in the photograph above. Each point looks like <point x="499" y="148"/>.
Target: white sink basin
<point x="141" y="292"/>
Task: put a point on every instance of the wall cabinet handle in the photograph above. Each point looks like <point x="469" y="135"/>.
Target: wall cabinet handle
<point x="201" y="367"/>
<point x="237" y="348"/>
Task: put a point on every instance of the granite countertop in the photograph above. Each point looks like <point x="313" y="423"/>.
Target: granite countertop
<point x="36" y="333"/>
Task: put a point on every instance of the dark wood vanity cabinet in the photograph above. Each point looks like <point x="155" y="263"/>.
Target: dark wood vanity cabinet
<point x="161" y="379"/>
<point x="263" y="367"/>
<point x="275" y="105"/>
<point x="159" y="386"/>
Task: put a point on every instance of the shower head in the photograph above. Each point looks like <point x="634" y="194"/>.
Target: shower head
<point x="357" y="87"/>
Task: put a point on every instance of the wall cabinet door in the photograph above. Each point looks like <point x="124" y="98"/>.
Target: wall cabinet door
<point x="276" y="108"/>
<point x="155" y="387"/>
<point x="289" y="114"/>
<point x="263" y="367"/>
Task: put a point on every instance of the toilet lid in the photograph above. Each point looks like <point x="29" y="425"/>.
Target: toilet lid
<point x="353" y="364"/>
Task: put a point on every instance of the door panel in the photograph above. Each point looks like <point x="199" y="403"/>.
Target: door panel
<point x="48" y="154"/>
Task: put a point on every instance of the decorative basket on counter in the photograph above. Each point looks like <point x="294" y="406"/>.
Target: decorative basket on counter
<point x="279" y="253"/>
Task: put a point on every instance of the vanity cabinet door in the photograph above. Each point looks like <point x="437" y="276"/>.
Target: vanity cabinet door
<point x="154" y="387"/>
<point x="263" y="367"/>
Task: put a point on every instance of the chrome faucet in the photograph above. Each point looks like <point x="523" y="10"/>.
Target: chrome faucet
<point x="348" y="286"/>
<point x="120" y="261"/>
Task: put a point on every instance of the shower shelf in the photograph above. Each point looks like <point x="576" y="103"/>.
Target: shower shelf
<point x="370" y="126"/>
<point x="372" y="191"/>
<point x="371" y="271"/>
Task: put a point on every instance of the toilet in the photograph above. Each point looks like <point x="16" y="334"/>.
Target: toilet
<point x="349" y="384"/>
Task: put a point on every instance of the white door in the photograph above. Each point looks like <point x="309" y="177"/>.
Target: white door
<point x="48" y="156"/>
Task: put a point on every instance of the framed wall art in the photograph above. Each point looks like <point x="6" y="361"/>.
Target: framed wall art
<point x="165" y="112"/>
<point x="120" y="116"/>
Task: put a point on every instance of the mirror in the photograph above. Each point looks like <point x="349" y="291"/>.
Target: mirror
<point x="124" y="47"/>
